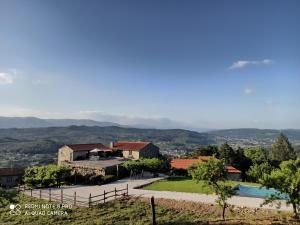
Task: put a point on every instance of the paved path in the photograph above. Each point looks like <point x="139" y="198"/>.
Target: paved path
<point x="83" y="192"/>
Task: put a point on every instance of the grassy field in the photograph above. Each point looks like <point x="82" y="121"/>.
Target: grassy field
<point x="137" y="211"/>
<point x="182" y="184"/>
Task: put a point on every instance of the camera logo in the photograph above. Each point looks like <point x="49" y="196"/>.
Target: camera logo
<point x="15" y="209"/>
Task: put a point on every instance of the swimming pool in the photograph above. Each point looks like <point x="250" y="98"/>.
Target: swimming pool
<point x="250" y="191"/>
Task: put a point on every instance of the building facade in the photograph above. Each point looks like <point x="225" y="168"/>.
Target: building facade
<point x="10" y="177"/>
<point x="136" y="150"/>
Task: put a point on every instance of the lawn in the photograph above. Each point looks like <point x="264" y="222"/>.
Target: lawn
<point x="137" y="211"/>
<point x="182" y="184"/>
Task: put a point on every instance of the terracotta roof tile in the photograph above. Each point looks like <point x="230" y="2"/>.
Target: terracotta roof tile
<point x="231" y="169"/>
<point x="128" y="145"/>
<point x="185" y="163"/>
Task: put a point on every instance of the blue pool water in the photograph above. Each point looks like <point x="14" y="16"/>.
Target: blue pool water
<point x="257" y="192"/>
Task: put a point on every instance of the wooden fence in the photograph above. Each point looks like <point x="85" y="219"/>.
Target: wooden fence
<point x="75" y="199"/>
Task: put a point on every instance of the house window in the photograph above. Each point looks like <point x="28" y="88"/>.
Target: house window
<point x="9" y="179"/>
<point x="130" y="152"/>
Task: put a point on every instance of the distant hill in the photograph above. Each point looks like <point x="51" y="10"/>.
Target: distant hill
<point x="29" y="146"/>
<point x="33" y="122"/>
<point x="249" y="136"/>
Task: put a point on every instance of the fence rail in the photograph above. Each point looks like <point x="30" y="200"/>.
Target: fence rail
<point x="74" y="199"/>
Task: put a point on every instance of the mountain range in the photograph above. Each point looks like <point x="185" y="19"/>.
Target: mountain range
<point x="34" y="122"/>
<point x="31" y="141"/>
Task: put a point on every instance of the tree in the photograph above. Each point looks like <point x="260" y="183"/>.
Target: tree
<point x="213" y="172"/>
<point x="241" y="162"/>
<point x="209" y="150"/>
<point x="282" y="150"/>
<point x="285" y="179"/>
<point x="226" y="153"/>
<point x="256" y="155"/>
<point x="257" y="171"/>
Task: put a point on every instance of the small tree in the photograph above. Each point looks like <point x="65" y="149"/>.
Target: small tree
<point x="286" y="179"/>
<point x="257" y="171"/>
<point x="213" y="172"/>
<point x="256" y="155"/>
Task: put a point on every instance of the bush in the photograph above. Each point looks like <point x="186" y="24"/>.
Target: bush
<point x="46" y="176"/>
<point x="108" y="178"/>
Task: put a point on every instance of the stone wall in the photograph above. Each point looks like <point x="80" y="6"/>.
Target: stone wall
<point x="234" y="176"/>
<point x="64" y="154"/>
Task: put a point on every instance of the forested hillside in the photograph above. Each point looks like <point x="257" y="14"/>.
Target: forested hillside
<point x="39" y="145"/>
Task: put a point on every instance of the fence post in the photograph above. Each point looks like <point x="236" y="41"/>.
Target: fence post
<point x="115" y="193"/>
<point x="153" y="211"/>
<point x="30" y="192"/>
<point x="50" y="195"/>
<point x="90" y="200"/>
<point x="75" y="198"/>
<point x="104" y="196"/>
<point x="127" y="189"/>
<point x="61" y="196"/>
<point x="40" y="193"/>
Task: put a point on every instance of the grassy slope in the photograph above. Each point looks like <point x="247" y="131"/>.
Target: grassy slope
<point x="138" y="212"/>
<point x="186" y="185"/>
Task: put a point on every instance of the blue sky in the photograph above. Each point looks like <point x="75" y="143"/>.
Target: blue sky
<point x="167" y="64"/>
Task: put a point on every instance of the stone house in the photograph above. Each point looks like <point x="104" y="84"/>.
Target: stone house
<point x="98" y="159"/>
<point x="76" y="152"/>
<point x="10" y="177"/>
<point x="136" y="150"/>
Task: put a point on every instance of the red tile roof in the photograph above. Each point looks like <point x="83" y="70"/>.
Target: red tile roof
<point x="231" y="169"/>
<point x="11" y="171"/>
<point x="130" y="146"/>
<point x="88" y="147"/>
<point x="185" y="163"/>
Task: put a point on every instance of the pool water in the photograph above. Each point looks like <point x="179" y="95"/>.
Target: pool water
<point x="257" y="192"/>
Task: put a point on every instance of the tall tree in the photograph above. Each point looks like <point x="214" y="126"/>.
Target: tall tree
<point x="282" y="150"/>
<point x="227" y="153"/>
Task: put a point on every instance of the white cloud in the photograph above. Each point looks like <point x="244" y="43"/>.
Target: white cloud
<point x="248" y="90"/>
<point x="243" y="63"/>
<point x="6" y="78"/>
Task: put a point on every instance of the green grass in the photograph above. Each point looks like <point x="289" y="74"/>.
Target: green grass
<point x="182" y="184"/>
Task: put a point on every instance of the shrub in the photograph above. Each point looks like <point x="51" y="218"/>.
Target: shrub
<point x="108" y="178"/>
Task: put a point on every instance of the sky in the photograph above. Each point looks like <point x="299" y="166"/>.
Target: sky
<point x="166" y="64"/>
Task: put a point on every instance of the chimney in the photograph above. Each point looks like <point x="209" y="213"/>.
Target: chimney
<point x="111" y="145"/>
